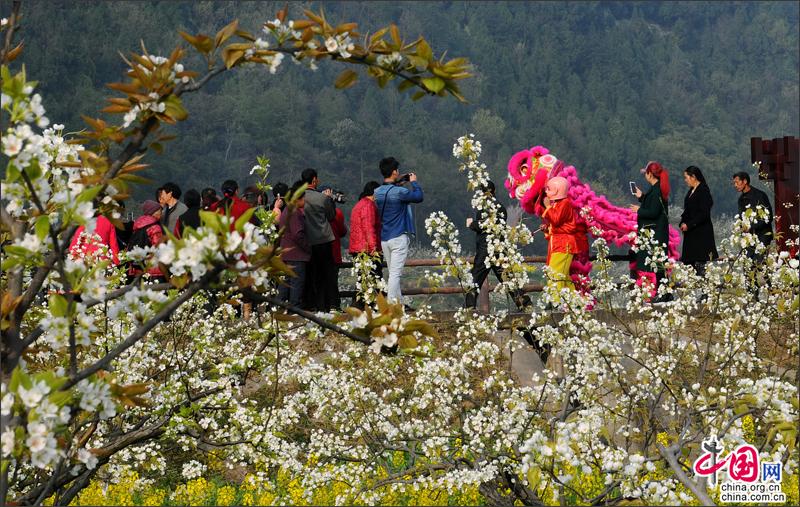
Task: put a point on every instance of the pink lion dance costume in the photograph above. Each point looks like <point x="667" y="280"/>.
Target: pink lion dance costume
<point x="528" y="172"/>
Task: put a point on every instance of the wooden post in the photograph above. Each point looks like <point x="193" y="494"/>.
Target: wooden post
<point x="779" y="160"/>
<point x="483" y="298"/>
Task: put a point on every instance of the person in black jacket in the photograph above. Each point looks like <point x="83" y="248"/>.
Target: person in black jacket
<point x="479" y="268"/>
<point x="190" y="217"/>
<point x="751" y="198"/>
<point x="698" y="232"/>
<point x="652" y="214"/>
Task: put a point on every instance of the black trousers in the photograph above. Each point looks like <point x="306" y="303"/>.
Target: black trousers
<point x="480" y="272"/>
<point x="321" y="288"/>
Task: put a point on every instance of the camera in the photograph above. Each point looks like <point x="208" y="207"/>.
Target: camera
<point x="405" y="178"/>
<point x="338" y="196"/>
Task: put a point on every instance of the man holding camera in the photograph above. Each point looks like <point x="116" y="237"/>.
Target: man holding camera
<point x="321" y="286"/>
<point x="397" y="220"/>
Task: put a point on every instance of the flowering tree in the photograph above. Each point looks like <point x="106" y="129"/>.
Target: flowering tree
<point x="618" y="417"/>
<point x="103" y="380"/>
<point x="73" y="335"/>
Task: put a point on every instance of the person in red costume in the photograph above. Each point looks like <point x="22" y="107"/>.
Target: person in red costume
<point x="89" y="244"/>
<point x="230" y="204"/>
<point x="561" y="231"/>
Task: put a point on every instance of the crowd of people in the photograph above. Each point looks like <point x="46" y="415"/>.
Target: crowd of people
<point x="566" y="237"/>
<point x="381" y="225"/>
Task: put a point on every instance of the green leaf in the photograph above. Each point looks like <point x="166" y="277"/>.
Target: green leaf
<point x="346" y="79"/>
<point x="34" y="171"/>
<point x="16" y="250"/>
<point x="418" y="95"/>
<point x="407" y="341"/>
<point x="5" y="74"/>
<point x="434" y="84"/>
<point x="58" y="305"/>
<point x="12" y="173"/>
<point x="417" y="61"/>
<point x="201" y="42"/>
<point x="88" y="194"/>
<point x="212" y="219"/>
<point x="424" y="50"/>
<point x="60" y="398"/>
<point x="405" y="85"/>
<point x="534" y="476"/>
<point x="173" y="107"/>
<point x="421" y="326"/>
<point x="17" y="377"/>
<point x="226" y="32"/>
<point x="42" y="227"/>
<point x="382" y="80"/>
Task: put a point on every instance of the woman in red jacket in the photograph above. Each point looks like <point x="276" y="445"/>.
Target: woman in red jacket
<point x="365" y="230"/>
<point x="85" y="244"/>
<point x="231" y="204"/>
<point x="149" y="221"/>
<point x="561" y="231"/>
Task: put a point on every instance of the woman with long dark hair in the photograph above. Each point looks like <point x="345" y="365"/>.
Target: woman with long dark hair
<point x="699" y="246"/>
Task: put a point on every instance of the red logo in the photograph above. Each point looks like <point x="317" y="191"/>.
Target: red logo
<point x="742" y="463"/>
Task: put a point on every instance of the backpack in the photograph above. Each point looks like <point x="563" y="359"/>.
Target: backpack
<point x="139" y="238"/>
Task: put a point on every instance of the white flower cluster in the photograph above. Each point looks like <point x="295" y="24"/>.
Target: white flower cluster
<point x="281" y="31"/>
<point x="47" y="410"/>
<point x="743" y="225"/>
<point x="157" y="61"/>
<point x="368" y="286"/>
<point x="193" y="470"/>
<point x="25" y="108"/>
<point x="444" y="240"/>
<point x="341" y="44"/>
<point x="46" y="151"/>
<point x="503" y="242"/>
<point x="390" y="61"/>
<point x="154" y="103"/>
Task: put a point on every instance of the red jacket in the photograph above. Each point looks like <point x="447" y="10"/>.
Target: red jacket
<point x="562" y="230"/>
<point x="156" y="234"/>
<point x="105" y="234"/>
<point x="365" y="227"/>
<point x="339" y="231"/>
<point x="236" y="205"/>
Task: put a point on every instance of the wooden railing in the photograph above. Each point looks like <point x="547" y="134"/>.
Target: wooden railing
<point x="483" y="296"/>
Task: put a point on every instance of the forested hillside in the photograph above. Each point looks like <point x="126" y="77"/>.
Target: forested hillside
<point x="605" y="86"/>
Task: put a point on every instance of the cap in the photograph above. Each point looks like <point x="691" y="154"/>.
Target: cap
<point x="149" y="207"/>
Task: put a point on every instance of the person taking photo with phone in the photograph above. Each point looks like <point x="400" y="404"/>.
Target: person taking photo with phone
<point x="652" y="214"/>
<point x="397" y="221"/>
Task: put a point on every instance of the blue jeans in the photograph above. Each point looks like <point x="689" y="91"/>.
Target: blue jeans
<point x="395" y="252"/>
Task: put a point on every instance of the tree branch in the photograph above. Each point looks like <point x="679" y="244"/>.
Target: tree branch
<point x="676" y="467"/>
<point x="13" y="22"/>
<point x="260" y="298"/>
<point x="143" y="329"/>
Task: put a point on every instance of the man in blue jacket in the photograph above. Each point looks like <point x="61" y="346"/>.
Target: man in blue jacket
<point x="397" y="220"/>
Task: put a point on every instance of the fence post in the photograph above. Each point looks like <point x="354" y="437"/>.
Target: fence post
<point x="483" y="297"/>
